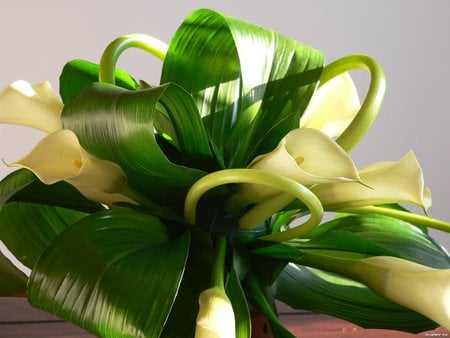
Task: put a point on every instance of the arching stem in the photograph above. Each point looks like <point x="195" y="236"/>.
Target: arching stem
<point x="117" y="47"/>
<point x="255" y="216"/>
<point x="372" y="103"/>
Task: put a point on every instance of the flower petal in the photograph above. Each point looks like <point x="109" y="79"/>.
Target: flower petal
<point x="215" y="318"/>
<point x="332" y="107"/>
<point x="307" y="156"/>
<point x="32" y="106"/>
<point x="389" y="182"/>
<point x="59" y="156"/>
<point x="415" y="286"/>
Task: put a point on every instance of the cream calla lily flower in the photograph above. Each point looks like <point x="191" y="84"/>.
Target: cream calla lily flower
<point x="34" y="106"/>
<point x="307" y="156"/>
<point x="389" y="182"/>
<point x="332" y="107"/>
<point x="215" y="318"/>
<point x="423" y="289"/>
<point x="60" y="157"/>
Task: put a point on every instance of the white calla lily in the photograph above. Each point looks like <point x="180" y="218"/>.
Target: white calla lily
<point x="332" y="107"/>
<point x="34" y="106"/>
<point x="307" y="156"/>
<point x="389" y="182"/>
<point x="423" y="289"/>
<point x="215" y="318"/>
<point x="60" y="157"/>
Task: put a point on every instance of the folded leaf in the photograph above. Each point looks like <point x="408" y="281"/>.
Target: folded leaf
<point x="114" y="273"/>
<point x="13" y="282"/>
<point x="79" y="74"/>
<point x="250" y="84"/>
<point x="118" y="125"/>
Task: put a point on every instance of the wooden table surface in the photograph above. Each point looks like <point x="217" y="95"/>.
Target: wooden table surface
<point x="20" y="320"/>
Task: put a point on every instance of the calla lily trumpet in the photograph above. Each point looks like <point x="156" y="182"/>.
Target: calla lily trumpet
<point x="415" y="286"/>
<point x="332" y="107"/>
<point x="307" y="156"/>
<point x="59" y="155"/>
<point x="215" y="318"/>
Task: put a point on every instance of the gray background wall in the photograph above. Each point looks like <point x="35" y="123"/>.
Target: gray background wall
<point x="410" y="38"/>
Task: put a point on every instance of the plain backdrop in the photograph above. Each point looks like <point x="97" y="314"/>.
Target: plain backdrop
<point x="410" y="38"/>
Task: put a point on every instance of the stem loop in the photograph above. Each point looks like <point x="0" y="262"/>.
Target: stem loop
<point x="117" y="47"/>
<point x="372" y="103"/>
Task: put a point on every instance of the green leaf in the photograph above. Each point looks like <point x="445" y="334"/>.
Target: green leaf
<point x="115" y="273"/>
<point x="240" y="307"/>
<point x="27" y="229"/>
<point x="118" y="125"/>
<point x="79" y="74"/>
<point x="377" y="235"/>
<point x="260" y="296"/>
<point x="196" y="278"/>
<point x="251" y="85"/>
<point x="325" y="292"/>
<point x="13" y="282"/>
<point x="23" y="186"/>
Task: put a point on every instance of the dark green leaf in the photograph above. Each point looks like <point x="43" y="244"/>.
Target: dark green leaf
<point x="251" y="85"/>
<point x="27" y="229"/>
<point x="118" y="125"/>
<point x="260" y="296"/>
<point x="240" y="306"/>
<point x="114" y="273"/>
<point x="79" y="74"/>
<point x="196" y="278"/>
<point x="377" y="235"/>
<point x="23" y="186"/>
<point x="13" y="282"/>
<point x="325" y="292"/>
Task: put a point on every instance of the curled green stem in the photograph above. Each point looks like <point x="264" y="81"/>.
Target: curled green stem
<point x="117" y="47"/>
<point x="264" y="210"/>
<point x="403" y="215"/>
<point x="372" y="103"/>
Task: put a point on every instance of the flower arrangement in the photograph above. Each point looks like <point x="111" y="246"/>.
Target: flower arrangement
<point x="175" y="210"/>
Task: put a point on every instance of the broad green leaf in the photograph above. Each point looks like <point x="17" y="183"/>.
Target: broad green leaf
<point x="315" y="290"/>
<point x="27" y="229"/>
<point x="115" y="273"/>
<point x="13" y="282"/>
<point x="118" y="125"/>
<point x="79" y="74"/>
<point x="251" y="84"/>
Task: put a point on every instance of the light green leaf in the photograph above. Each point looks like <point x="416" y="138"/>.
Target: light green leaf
<point x="118" y="125"/>
<point x="114" y="273"/>
<point x="251" y="84"/>
<point x="240" y="306"/>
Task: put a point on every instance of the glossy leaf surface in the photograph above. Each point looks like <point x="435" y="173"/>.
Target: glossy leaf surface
<point x="250" y="84"/>
<point x="119" y="125"/>
<point x="315" y="290"/>
<point x="78" y="74"/>
<point x="114" y="273"/>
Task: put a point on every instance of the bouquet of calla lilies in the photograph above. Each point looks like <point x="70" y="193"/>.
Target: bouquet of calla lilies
<point x="178" y="209"/>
